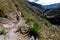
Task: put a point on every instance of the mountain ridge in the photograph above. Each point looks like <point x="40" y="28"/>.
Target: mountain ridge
<point x="38" y="6"/>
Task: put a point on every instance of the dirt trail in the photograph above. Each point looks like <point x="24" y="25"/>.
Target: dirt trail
<point x="12" y="35"/>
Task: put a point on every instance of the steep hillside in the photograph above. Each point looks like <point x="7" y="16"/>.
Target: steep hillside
<point x="20" y="21"/>
<point x="38" y="6"/>
<point x="55" y="11"/>
<point x="53" y="15"/>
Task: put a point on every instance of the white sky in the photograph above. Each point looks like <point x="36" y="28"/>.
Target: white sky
<point x="32" y="0"/>
<point x="46" y="2"/>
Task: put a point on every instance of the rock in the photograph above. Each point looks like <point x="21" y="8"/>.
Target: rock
<point x="1" y="37"/>
<point x="8" y="25"/>
<point x="32" y="38"/>
<point x="24" y="30"/>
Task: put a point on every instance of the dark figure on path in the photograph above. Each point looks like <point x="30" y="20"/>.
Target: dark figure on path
<point x="17" y="17"/>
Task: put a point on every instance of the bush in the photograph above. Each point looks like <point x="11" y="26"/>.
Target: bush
<point x="1" y="13"/>
<point x="2" y="31"/>
<point x="28" y="20"/>
<point x="35" y="27"/>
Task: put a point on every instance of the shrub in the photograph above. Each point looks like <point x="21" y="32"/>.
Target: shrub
<point x="1" y="13"/>
<point x="35" y="27"/>
<point x="2" y="31"/>
<point x="28" y="20"/>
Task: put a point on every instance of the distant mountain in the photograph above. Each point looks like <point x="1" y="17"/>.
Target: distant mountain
<point x="43" y="8"/>
<point x="38" y="6"/>
<point x="51" y="6"/>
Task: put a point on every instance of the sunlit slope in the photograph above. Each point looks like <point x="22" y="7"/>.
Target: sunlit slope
<point x="45" y="30"/>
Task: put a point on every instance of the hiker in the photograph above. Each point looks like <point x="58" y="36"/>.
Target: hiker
<point x="17" y="17"/>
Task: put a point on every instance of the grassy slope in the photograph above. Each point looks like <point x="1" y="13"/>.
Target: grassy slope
<point x="46" y="30"/>
<point x="54" y="11"/>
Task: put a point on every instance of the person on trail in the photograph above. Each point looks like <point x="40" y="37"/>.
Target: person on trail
<point x="17" y="17"/>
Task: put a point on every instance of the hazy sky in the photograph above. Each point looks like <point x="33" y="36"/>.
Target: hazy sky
<point x="45" y="2"/>
<point x="33" y="0"/>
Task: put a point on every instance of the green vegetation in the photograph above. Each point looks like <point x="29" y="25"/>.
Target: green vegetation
<point x="19" y="28"/>
<point x="7" y="6"/>
<point x="34" y="27"/>
<point x="53" y="13"/>
<point x="40" y="25"/>
<point x="1" y="13"/>
<point x="2" y="31"/>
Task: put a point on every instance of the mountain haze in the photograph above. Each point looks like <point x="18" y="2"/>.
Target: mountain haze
<point x="51" y="6"/>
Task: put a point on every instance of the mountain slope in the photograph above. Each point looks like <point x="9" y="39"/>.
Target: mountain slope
<point x="30" y="15"/>
<point x="38" y="6"/>
<point x="54" y="15"/>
